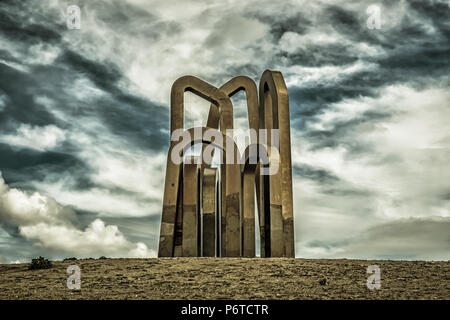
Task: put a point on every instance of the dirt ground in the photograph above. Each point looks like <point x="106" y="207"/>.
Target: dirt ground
<point x="229" y="278"/>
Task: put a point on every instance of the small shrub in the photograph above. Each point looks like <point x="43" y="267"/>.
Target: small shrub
<point x="70" y="259"/>
<point x="103" y="257"/>
<point x="40" y="263"/>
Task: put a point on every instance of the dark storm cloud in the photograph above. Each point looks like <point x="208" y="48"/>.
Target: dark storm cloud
<point x="320" y="175"/>
<point x="436" y="11"/>
<point x="417" y="65"/>
<point x="282" y="20"/>
<point x="411" y="53"/>
<point x="106" y="87"/>
<point x="330" y="184"/>
<point x="140" y="229"/>
<point x="135" y="118"/>
<point x="122" y="111"/>
<point x="105" y="76"/>
<point x="20" y="106"/>
<point x="411" y="56"/>
<point x="15" y="24"/>
<point x="126" y="114"/>
<point x="21" y="166"/>
<point x="297" y="23"/>
<point x="329" y="246"/>
<point x="341" y="133"/>
<point x="138" y="120"/>
<point x="309" y="101"/>
<point x="336" y="54"/>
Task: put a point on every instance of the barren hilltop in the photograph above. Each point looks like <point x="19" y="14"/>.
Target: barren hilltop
<point x="228" y="278"/>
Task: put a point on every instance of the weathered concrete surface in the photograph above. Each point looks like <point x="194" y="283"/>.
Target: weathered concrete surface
<point x="209" y="212"/>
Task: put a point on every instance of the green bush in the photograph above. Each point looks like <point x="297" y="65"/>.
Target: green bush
<point x="40" y="263"/>
<point x="70" y="259"/>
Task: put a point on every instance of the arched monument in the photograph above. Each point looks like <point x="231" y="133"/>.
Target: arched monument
<point x="211" y="211"/>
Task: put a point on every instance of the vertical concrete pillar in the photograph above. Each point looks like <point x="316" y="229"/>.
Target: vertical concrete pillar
<point x="274" y="112"/>
<point x="248" y="211"/>
<point x="208" y="212"/>
<point x="190" y="242"/>
<point x="178" y="249"/>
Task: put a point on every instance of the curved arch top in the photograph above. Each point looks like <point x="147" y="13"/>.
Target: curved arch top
<point x="198" y="87"/>
<point x="230" y="88"/>
<point x="274" y="114"/>
<point x="231" y="182"/>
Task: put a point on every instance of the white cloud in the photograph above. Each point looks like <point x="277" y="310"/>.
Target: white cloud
<point x="35" y="137"/>
<point x="42" y="54"/>
<point x="402" y="174"/>
<point x="415" y="135"/>
<point x="114" y="164"/>
<point x="102" y="200"/>
<point x="137" y="174"/>
<point x="300" y="76"/>
<point x="18" y="208"/>
<point x="52" y="226"/>
<point x="96" y="240"/>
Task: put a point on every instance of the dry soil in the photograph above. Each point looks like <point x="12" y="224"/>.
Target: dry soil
<point x="227" y="278"/>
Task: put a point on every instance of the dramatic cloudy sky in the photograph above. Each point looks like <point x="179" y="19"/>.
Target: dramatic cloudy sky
<point x="84" y="119"/>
